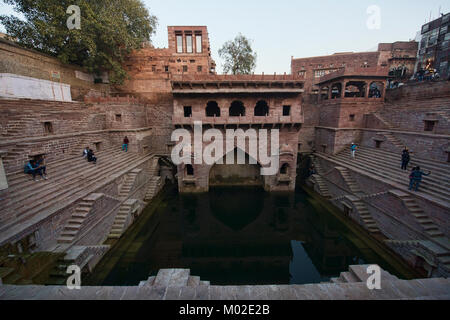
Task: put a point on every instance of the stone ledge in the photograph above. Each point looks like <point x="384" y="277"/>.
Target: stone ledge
<point x="392" y="290"/>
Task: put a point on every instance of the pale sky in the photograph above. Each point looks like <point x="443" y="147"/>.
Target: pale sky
<point x="280" y="29"/>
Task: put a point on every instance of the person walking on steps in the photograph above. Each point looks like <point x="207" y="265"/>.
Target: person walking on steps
<point x="353" y="150"/>
<point x="406" y="158"/>
<point x="125" y="144"/>
<point x="416" y="178"/>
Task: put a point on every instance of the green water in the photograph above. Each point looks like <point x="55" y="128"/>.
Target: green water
<point x="236" y="236"/>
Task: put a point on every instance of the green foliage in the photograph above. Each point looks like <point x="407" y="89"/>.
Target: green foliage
<point x="238" y="55"/>
<point x="110" y="29"/>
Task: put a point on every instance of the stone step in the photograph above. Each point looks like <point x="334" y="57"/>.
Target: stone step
<point x="60" y="197"/>
<point x="434" y="233"/>
<point x="193" y="281"/>
<point x="65" y="239"/>
<point x="67" y="189"/>
<point x="348" y="277"/>
<point x="62" y="178"/>
<point x="172" y="277"/>
<point x="432" y="180"/>
<point x="360" y="272"/>
<point x="394" y="162"/>
<point x="75" y="221"/>
<point x="74" y="227"/>
<point x="435" y="193"/>
<point x="63" y="163"/>
<point x="69" y="233"/>
<point x="336" y="280"/>
<point x="387" y="157"/>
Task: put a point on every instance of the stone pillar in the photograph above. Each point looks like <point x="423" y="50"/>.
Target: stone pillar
<point x="383" y="92"/>
<point x="3" y="180"/>
<point x="344" y="84"/>
<point x="367" y="90"/>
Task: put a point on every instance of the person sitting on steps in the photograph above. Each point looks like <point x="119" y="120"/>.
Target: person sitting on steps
<point x="40" y="163"/>
<point x="85" y="152"/>
<point x="32" y="168"/>
<point x="91" y="157"/>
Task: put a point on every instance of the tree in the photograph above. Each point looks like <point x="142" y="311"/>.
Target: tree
<point x="238" y="55"/>
<point x="110" y="29"/>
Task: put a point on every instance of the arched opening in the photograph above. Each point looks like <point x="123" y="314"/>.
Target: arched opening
<point x="212" y="109"/>
<point x="236" y="174"/>
<point x="189" y="170"/>
<point x="284" y="170"/>
<point x="355" y="89"/>
<point x="237" y="109"/>
<point x="336" y="91"/>
<point x="376" y="89"/>
<point x="324" y="93"/>
<point x="261" y="109"/>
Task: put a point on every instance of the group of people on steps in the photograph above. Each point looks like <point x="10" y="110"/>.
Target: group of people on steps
<point x="416" y="175"/>
<point x="36" y="167"/>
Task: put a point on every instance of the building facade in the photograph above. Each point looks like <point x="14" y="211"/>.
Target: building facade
<point x="434" y="50"/>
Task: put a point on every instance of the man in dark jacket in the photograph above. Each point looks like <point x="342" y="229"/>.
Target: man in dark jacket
<point x="91" y="157"/>
<point x="416" y="178"/>
<point x="406" y="158"/>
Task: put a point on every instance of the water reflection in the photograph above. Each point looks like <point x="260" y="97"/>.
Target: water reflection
<point x="236" y="236"/>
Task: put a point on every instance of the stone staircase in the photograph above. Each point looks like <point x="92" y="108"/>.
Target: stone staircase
<point x="420" y="216"/>
<point x="358" y="273"/>
<point x="120" y="221"/>
<point x="323" y="188"/>
<point x="439" y="252"/>
<point x="394" y="140"/>
<point x="75" y="223"/>
<point x="17" y="126"/>
<point x="63" y="186"/>
<point x="174" y="278"/>
<point x="153" y="189"/>
<point x="365" y="215"/>
<point x="25" y="114"/>
<point x="321" y="184"/>
<point x="385" y="123"/>
<point x="350" y="181"/>
<point x="154" y="167"/>
<point x="128" y="184"/>
<point x="385" y="165"/>
<point x="79" y="256"/>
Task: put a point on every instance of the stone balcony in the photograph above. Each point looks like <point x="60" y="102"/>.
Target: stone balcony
<point x="271" y="120"/>
<point x="210" y="84"/>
